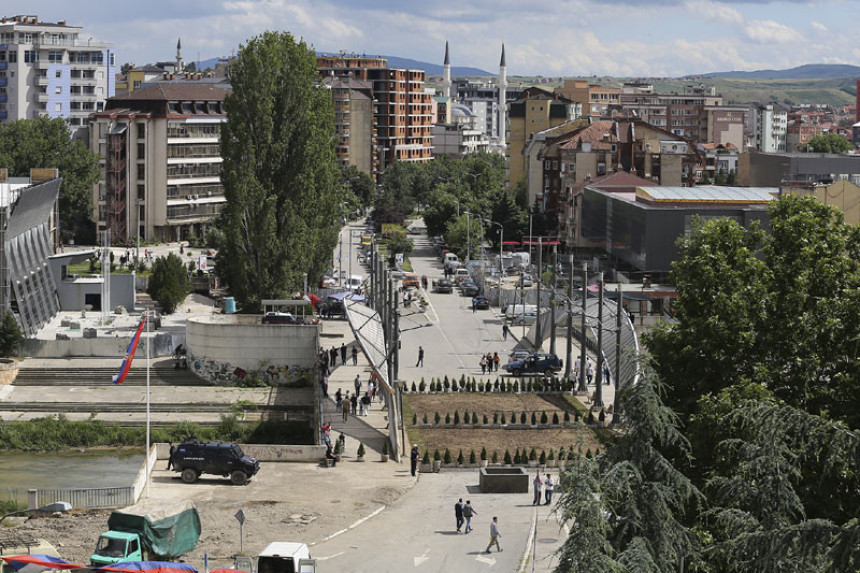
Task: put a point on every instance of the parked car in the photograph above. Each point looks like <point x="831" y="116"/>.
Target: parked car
<point x="193" y="457"/>
<point x="443" y="286"/>
<point x="524" y="318"/>
<point x="279" y="318"/>
<point x="535" y="364"/>
<point x="469" y="288"/>
<point x="526" y="281"/>
<point x="461" y="274"/>
<point x="481" y="303"/>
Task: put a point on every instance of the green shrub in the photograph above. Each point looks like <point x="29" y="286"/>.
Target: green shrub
<point x="551" y="454"/>
<point x="414" y="388"/>
<point x="480" y="387"/>
<point x="588" y="453"/>
<point x="10" y="335"/>
<point x="507" y="457"/>
<point x="421" y="386"/>
<point x="460" y="459"/>
<point x="475" y="417"/>
<point x="503" y="419"/>
<point x="542" y="458"/>
<point x="590" y="417"/>
<point x="566" y="417"/>
<point x="169" y="283"/>
<point x="424" y="419"/>
<point x="532" y="455"/>
<point x="534" y="418"/>
<point x="448" y="419"/>
<point x="523" y="418"/>
<point x="386" y="449"/>
<point x="555" y="418"/>
<point x="544" y="419"/>
<point x="456" y="418"/>
<point x="437" y="418"/>
<point x="360" y="450"/>
<point x="472" y="458"/>
<point x="484" y="453"/>
<point x="414" y="419"/>
<point x="601" y="417"/>
<point x="447" y="457"/>
<point x="486" y="420"/>
<point x="426" y="458"/>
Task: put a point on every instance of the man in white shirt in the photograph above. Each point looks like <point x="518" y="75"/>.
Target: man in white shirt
<point x="548" y="487"/>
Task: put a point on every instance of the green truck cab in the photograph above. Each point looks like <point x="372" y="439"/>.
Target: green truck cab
<point x="149" y="531"/>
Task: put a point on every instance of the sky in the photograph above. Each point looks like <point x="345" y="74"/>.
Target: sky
<point x="636" y="38"/>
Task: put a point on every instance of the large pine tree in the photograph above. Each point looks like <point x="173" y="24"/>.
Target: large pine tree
<point x="280" y="174"/>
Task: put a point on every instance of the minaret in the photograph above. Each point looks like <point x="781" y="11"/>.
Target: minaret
<point x="446" y="74"/>
<point x="503" y="105"/>
<point x="180" y="63"/>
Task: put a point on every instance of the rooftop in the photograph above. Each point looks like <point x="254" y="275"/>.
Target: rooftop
<point x="707" y="194"/>
<point x="175" y="92"/>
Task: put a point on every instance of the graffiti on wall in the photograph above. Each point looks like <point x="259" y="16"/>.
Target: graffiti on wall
<point x="224" y="373"/>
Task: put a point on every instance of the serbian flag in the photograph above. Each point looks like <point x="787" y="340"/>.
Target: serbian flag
<point x="129" y="354"/>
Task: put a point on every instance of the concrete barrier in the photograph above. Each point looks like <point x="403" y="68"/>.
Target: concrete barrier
<point x="268" y="452"/>
<point x="504" y="480"/>
<point x="8" y="371"/>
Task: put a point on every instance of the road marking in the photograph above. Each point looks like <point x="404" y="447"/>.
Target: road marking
<point x="525" y="558"/>
<point x="354" y="525"/>
<point x="422" y="558"/>
<point x="488" y="560"/>
<point x="329" y="556"/>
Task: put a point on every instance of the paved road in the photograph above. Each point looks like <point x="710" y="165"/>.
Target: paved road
<point x="418" y="533"/>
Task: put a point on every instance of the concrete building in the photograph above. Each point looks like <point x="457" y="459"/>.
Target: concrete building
<point x="460" y="136"/>
<point x="596" y="100"/>
<point x="403" y="110"/>
<point x="27" y="285"/>
<point x="640" y="230"/>
<point x="842" y="194"/>
<point x="719" y="159"/>
<point x="48" y="70"/>
<point x="160" y="162"/>
<point x="534" y="111"/>
<point x="756" y="169"/>
<point x="483" y="99"/>
<point x="768" y="127"/>
<point x="353" y="120"/>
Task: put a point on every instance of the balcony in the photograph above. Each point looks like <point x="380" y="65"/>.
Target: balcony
<point x="3" y="65"/>
<point x="4" y="98"/>
<point x="3" y="114"/>
<point x="41" y="81"/>
<point x="3" y="82"/>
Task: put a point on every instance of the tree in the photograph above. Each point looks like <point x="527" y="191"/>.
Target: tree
<point x="829" y="143"/>
<point x="465" y="229"/>
<point x="280" y="176"/>
<point x="10" y="335"/>
<point x="359" y="186"/>
<point x="512" y="217"/>
<point x="47" y="143"/>
<point x="169" y="283"/>
<point x="399" y="244"/>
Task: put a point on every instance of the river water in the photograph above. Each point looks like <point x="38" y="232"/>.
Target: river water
<point x="20" y="471"/>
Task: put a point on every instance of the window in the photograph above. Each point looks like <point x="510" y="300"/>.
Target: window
<point x="31" y="56"/>
<point x="141" y="130"/>
<point x="58" y="74"/>
<point x="13" y="56"/>
<point x="97" y="57"/>
<point x="141" y="151"/>
<point x="55" y="57"/>
<point x="58" y="107"/>
<point x="58" y="90"/>
<point x="2" y="55"/>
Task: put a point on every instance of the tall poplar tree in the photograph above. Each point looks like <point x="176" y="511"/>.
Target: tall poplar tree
<point x="280" y="174"/>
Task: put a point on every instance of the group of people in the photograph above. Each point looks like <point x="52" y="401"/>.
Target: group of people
<point x="353" y="404"/>
<point x="490" y="363"/>
<point x="589" y="372"/>
<point x="548" y="487"/>
<point x="463" y="513"/>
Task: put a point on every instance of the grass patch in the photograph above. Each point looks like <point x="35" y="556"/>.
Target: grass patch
<point x="577" y="404"/>
<point x="9" y="503"/>
<point x="59" y="433"/>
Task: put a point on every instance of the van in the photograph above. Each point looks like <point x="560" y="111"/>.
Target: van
<point x="354" y="282"/>
<point x="522" y="259"/>
<point x="514" y="310"/>
<point x="410" y="280"/>
<point x="451" y="261"/>
<point x="285" y="557"/>
<point x="460" y="274"/>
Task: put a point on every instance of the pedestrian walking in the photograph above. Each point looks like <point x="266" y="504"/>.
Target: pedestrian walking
<point x="496" y="360"/>
<point x="343" y="354"/>
<point x="605" y="374"/>
<point x="468" y="512"/>
<point x="504" y="332"/>
<point x="483" y="364"/>
<point x="324" y="384"/>
<point x="536" y="483"/>
<point x="354" y="401"/>
<point x="357" y="384"/>
<point x="420" y="357"/>
<point x="458" y="514"/>
<point x="474" y="305"/>
<point x="494" y="535"/>
<point x="413" y="459"/>
<point x="365" y="403"/>
<point x="354" y="355"/>
<point x="170" y="456"/>
<point x="548" y="488"/>
<point x="338" y="400"/>
<point x="332" y="356"/>
<point x="589" y="371"/>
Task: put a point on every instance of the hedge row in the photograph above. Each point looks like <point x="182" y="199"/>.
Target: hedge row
<point x="519" y="457"/>
<point x="501" y="418"/>
<point x="464" y="384"/>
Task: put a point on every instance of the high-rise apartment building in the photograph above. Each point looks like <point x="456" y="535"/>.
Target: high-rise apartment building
<point x="595" y="99"/>
<point x="161" y="163"/>
<point x="403" y="110"/>
<point x="353" y="121"/>
<point x="47" y="70"/>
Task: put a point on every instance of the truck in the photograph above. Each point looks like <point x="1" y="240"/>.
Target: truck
<point x="285" y="557"/>
<point x="149" y="531"/>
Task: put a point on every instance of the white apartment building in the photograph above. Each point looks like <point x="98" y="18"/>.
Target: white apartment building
<point x="49" y="70"/>
<point x="769" y="126"/>
<point x="161" y="163"/>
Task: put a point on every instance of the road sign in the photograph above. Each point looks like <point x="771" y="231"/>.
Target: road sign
<point x="240" y="517"/>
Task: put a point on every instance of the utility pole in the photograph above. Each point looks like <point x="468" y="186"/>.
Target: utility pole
<point x="569" y="353"/>
<point x="582" y="385"/>
<point x="538" y="334"/>
<point x="598" y="391"/>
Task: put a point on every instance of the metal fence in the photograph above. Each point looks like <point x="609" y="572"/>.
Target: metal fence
<point x="87" y="498"/>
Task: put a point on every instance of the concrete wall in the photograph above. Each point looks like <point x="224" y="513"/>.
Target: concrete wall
<point x="504" y="480"/>
<point x="8" y="371"/>
<point x="267" y="452"/>
<point x="219" y="344"/>
<point x="106" y="347"/>
<point x="72" y="293"/>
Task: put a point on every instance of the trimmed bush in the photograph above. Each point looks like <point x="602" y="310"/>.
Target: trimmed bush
<point x="518" y="457"/>
<point x="338" y="451"/>
<point x="507" y="457"/>
<point x="590" y="417"/>
<point x="486" y="420"/>
<point x="424" y="419"/>
<point x="588" y="453"/>
<point x="437" y="457"/>
<point x="567" y="417"/>
<point x="484" y="453"/>
<point x="386" y="449"/>
<point x="414" y="388"/>
<point x="426" y="458"/>
<point x="495" y="417"/>
<point x="472" y="458"/>
<point x="555" y="418"/>
<point x="446" y="383"/>
<point x="534" y="418"/>
<point x="437" y="418"/>
<point x="422" y="386"/>
<point x="460" y="459"/>
<point x="360" y="450"/>
<point x="447" y="459"/>
<point x="475" y="417"/>
<point x="414" y="419"/>
<point x="447" y="419"/>
<point x="466" y="417"/>
<point x="456" y="418"/>
<point x="503" y="419"/>
<point x="542" y="458"/>
<point x="544" y="419"/>
<point x="532" y="455"/>
<point x="523" y="418"/>
<point x="551" y="456"/>
<point x="495" y="457"/>
<point x="489" y="387"/>
<point x="601" y="417"/>
<point x="561" y="454"/>
<point x="480" y="387"/>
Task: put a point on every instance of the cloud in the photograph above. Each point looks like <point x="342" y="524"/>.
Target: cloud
<point x="770" y="32"/>
<point x="715" y="11"/>
<point x="818" y="26"/>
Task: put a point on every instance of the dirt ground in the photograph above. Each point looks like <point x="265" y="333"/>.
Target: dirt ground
<point x="493" y="439"/>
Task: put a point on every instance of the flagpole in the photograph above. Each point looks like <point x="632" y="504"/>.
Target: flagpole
<point x="148" y="341"/>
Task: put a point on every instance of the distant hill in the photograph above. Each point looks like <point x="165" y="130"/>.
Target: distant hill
<point x="807" y="72"/>
<point x="393" y="62"/>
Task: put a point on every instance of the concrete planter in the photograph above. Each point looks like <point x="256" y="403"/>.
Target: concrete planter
<point x="383" y="457"/>
<point x="483" y="463"/>
<point x="8" y="371"/>
<point x="437" y="465"/>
